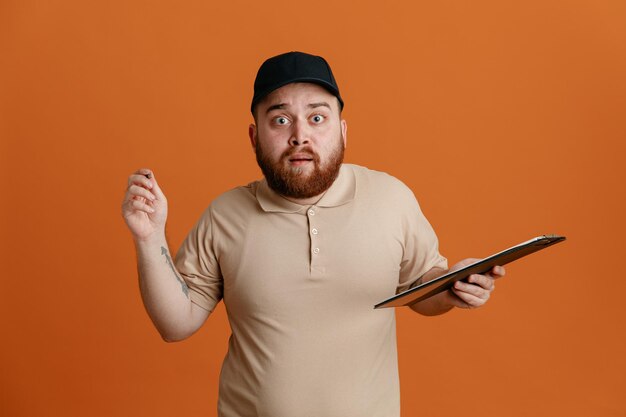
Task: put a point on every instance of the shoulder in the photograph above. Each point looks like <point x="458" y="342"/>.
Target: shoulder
<point x="233" y="205"/>
<point x="379" y="184"/>
<point x="237" y="197"/>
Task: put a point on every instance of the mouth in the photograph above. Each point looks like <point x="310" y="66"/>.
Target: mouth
<point x="299" y="162"/>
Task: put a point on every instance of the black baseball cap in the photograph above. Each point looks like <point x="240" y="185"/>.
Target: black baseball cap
<point x="293" y="67"/>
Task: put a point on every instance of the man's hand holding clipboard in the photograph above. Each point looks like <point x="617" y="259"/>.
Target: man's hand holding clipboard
<point x="479" y="276"/>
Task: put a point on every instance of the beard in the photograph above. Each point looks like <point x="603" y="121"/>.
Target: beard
<point x="294" y="182"/>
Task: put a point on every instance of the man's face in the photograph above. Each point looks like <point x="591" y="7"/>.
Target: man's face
<point x="299" y="139"/>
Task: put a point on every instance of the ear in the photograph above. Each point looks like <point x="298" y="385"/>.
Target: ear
<point x="344" y="133"/>
<point x="252" y="135"/>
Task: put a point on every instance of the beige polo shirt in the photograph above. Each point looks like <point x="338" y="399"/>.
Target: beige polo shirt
<point x="299" y="284"/>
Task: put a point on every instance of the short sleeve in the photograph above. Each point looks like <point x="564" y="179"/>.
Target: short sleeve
<point x="420" y="246"/>
<point x="197" y="264"/>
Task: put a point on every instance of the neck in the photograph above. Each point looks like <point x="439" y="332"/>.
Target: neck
<point x="305" y="201"/>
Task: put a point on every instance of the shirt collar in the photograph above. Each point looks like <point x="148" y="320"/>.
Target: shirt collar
<point x="342" y="191"/>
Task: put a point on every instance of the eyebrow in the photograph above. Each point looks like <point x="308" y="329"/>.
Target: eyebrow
<point x="281" y="106"/>
<point x="274" y="107"/>
<point x="321" y="104"/>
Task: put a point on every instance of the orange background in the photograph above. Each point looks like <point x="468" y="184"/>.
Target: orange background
<point x="507" y="119"/>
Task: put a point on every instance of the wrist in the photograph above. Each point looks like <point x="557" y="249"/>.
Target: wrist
<point x="437" y="304"/>
<point x="156" y="239"/>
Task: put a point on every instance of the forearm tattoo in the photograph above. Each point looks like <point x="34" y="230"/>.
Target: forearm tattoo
<point x="168" y="259"/>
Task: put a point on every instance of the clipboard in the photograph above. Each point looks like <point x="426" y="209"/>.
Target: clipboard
<point x="444" y="282"/>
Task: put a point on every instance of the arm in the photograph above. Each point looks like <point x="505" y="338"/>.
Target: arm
<point x="471" y="294"/>
<point x="164" y="292"/>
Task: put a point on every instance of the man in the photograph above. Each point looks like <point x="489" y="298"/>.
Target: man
<point x="299" y="258"/>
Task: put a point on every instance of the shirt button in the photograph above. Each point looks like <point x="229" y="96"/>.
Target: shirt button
<point x="316" y="251"/>
<point x="314" y="231"/>
<point x="311" y="212"/>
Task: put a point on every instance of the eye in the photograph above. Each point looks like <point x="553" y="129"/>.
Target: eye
<point x="281" y="120"/>
<point x="318" y="118"/>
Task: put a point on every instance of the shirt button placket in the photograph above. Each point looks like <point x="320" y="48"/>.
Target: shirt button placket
<point x="313" y="233"/>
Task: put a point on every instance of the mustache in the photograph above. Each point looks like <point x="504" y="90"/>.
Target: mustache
<point x="303" y="150"/>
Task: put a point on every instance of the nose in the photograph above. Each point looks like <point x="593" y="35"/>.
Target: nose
<point x="299" y="134"/>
